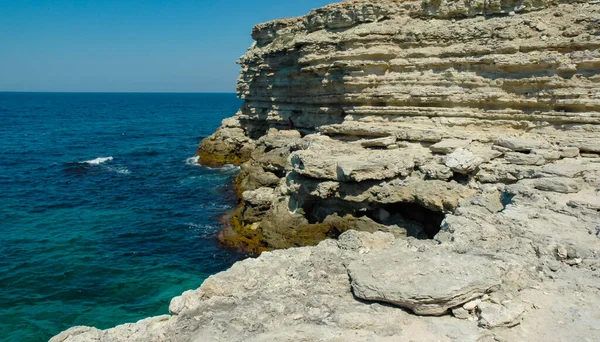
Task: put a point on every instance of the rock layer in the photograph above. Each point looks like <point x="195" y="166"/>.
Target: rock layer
<point x="362" y="106"/>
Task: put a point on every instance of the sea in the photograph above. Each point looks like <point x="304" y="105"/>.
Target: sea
<point x="105" y="214"/>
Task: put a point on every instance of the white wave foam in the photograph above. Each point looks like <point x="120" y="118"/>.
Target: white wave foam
<point x="225" y="168"/>
<point x="119" y="170"/>
<point x="97" y="161"/>
<point x="193" y="161"/>
<point x="229" y="169"/>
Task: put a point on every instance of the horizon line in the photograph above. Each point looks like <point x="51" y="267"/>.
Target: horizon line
<point x="118" y="92"/>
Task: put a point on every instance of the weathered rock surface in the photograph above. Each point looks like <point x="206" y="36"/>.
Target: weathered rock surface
<point x="426" y="283"/>
<point x="463" y="161"/>
<point x="462" y="138"/>
<point x="522" y="145"/>
<point x="229" y="145"/>
<point x="448" y="146"/>
<point x="304" y="294"/>
<point x="385" y="97"/>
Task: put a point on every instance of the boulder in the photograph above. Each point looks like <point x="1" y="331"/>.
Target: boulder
<point x="463" y="161"/>
<point x="493" y="315"/>
<point x="373" y="166"/>
<point x="228" y="145"/>
<point x="569" y="152"/>
<point x="427" y="283"/>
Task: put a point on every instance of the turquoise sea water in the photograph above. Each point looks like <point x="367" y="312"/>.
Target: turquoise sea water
<point x="103" y="216"/>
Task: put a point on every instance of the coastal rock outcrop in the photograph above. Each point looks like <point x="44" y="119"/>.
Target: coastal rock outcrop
<point x="305" y="294"/>
<point x="436" y="166"/>
<point x="408" y="108"/>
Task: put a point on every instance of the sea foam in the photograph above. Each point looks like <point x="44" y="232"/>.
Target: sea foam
<point x="193" y="161"/>
<point x="97" y="161"/>
<point x="119" y="170"/>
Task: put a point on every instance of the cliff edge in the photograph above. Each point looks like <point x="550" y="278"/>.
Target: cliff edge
<point x="436" y="166"/>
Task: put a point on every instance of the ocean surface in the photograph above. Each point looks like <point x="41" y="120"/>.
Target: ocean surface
<point x="104" y="216"/>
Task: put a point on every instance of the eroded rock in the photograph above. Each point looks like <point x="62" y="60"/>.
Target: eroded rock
<point x="427" y="283"/>
<point x="522" y="145"/>
<point x="463" y="161"/>
<point x="562" y="185"/>
<point x="500" y="315"/>
<point x="449" y="145"/>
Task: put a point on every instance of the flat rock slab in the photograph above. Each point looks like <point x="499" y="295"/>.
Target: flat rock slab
<point x="522" y="145"/>
<point x="381" y="142"/>
<point x="569" y="170"/>
<point x="447" y="146"/>
<point x="561" y="185"/>
<point x="524" y="159"/>
<point x="428" y="283"/>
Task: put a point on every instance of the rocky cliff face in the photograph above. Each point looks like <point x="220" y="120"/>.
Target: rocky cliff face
<point x="452" y="147"/>
<point x="362" y="109"/>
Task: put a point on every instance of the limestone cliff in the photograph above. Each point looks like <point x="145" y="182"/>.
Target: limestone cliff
<point x="452" y="148"/>
<point x="355" y="110"/>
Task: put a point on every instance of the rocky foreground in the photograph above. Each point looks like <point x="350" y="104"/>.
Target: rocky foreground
<point x="436" y="166"/>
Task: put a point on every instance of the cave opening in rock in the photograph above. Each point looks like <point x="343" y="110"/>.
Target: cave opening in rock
<point x="418" y="221"/>
<point x="460" y="178"/>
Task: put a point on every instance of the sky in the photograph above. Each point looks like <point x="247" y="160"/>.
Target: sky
<point x="131" y="46"/>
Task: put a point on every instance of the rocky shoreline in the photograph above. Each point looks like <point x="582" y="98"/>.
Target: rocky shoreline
<point x="409" y="171"/>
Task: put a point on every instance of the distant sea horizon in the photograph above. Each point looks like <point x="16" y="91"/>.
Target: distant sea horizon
<point x="118" y="92"/>
<point x="105" y="214"/>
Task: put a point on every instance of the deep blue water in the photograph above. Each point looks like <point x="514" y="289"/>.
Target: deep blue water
<point x="103" y="218"/>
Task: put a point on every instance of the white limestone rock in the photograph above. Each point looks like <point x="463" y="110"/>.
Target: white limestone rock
<point x="79" y="333"/>
<point x="463" y="161"/>
<point x="548" y="155"/>
<point x="372" y="166"/>
<point x="447" y="146"/>
<point x="427" y="283"/>
<point x="561" y="185"/>
<point x="522" y="145"/>
<point x="461" y="313"/>
<point x="259" y="197"/>
<point x="564" y="169"/>
<point x="381" y="142"/>
<point x="500" y="315"/>
<point x="569" y="152"/>
<point x="524" y="159"/>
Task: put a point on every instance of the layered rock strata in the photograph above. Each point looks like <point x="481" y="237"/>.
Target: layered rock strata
<point x="372" y="115"/>
<point x="452" y="148"/>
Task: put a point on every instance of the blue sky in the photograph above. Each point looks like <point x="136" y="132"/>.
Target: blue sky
<point x="124" y="45"/>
